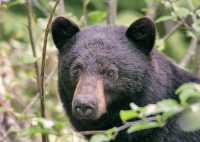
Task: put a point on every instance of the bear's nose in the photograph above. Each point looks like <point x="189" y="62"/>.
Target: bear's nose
<point x="83" y="108"/>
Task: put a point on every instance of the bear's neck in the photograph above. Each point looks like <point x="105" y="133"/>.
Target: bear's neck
<point x="164" y="78"/>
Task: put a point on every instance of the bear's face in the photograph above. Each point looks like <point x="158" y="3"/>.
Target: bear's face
<point x="101" y="68"/>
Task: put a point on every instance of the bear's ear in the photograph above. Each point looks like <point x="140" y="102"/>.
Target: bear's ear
<point x="142" y="32"/>
<point x="63" y="30"/>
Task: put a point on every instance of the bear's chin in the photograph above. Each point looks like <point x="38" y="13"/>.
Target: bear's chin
<point x="93" y="117"/>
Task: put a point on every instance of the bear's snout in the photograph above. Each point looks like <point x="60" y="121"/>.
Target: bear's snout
<point x="89" y="102"/>
<point x="85" y="107"/>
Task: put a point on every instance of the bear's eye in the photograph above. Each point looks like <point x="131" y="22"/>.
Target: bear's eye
<point x="111" y="74"/>
<point x="76" y="70"/>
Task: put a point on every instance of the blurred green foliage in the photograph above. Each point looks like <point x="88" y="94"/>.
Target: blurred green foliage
<point x="18" y="83"/>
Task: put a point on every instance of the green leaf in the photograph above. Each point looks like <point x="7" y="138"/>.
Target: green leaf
<point x="188" y="86"/>
<point x="169" y="105"/>
<point x="134" y="107"/>
<point x="111" y="132"/>
<point x="160" y="44"/>
<point x="126" y="115"/>
<point x="165" y="18"/>
<point x="100" y="138"/>
<point x="142" y="126"/>
<point x="189" y="119"/>
<point x="150" y="109"/>
<point x="182" y="12"/>
<point x="34" y="130"/>
<point x="96" y="16"/>
<point x="58" y="126"/>
<point x="189" y="93"/>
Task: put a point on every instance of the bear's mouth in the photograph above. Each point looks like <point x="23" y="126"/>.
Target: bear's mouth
<point x="105" y="122"/>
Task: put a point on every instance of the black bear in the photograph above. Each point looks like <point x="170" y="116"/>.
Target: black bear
<point x="102" y="69"/>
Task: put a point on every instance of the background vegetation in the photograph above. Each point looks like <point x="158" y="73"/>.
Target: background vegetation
<point x="178" y="30"/>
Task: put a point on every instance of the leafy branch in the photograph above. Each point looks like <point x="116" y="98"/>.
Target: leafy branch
<point x="156" y="115"/>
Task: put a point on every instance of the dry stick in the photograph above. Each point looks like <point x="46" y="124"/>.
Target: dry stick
<point x="29" y="5"/>
<point x="190" y="52"/>
<point x="42" y="87"/>
<point x="30" y="12"/>
<point x="111" y="11"/>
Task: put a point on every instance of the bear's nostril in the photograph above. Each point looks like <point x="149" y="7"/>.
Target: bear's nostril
<point x="84" y="110"/>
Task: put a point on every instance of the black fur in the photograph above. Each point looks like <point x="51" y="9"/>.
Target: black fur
<point x="141" y="78"/>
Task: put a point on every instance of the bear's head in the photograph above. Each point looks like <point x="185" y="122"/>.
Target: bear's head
<point x="101" y="68"/>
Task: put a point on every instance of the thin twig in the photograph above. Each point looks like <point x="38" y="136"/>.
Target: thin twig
<point x="196" y="60"/>
<point x="152" y="6"/>
<point x="31" y="37"/>
<point x="51" y="75"/>
<point x="84" y="17"/>
<point x="166" y="37"/>
<point x="33" y="101"/>
<point x="62" y="7"/>
<point x="111" y="11"/>
<point x="29" y="6"/>
<point x="42" y="86"/>
<point x="182" y="19"/>
<point x="44" y="56"/>
<point x="118" y="129"/>
<point x="190" y="52"/>
<point x="193" y="47"/>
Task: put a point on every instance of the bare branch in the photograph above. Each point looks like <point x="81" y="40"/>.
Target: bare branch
<point x="193" y="48"/>
<point x="33" y="101"/>
<point x="152" y="6"/>
<point x="84" y="17"/>
<point x="183" y="19"/>
<point x="111" y="11"/>
<point x="190" y="52"/>
<point x="31" y="37"/>
<point x="166" y="37"/>
<point x="42" y="86"/>
<point x="196" y="60"/>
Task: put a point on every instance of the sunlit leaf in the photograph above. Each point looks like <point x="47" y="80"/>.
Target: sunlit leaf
<point x="160" y="44"/>
<point x="126" y="115"/>
<point x="142" y="126"/>
<point x="182" y="12"/>
<point x="165" y="18"/>
<point x="96" y="16"/>
<point x="189" y="92"/>
<point x="189" y="120"/>
<point x="99" y="138"/>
